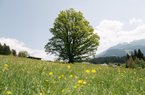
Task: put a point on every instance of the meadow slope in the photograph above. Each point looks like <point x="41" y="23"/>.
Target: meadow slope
<point x="20" y="76"/>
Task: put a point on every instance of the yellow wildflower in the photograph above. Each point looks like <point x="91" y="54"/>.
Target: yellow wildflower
<point x="75" y="86"/>
<point x="50" y="73"/>
<point x="5" y="66"/>
<point x="62" y="90"/>
<point x="65" y="78"/>
<point x="8" y="93"/>
<point x="62" y="75"/>
<point x="59" y="77"/>
<point x="71" y="76"/>
<point x="88" y="71"/>
<point x="84" y="82"/>
<point x="68" y="66"/>
<point x="93" y="71"/>
<point x="80" y="81"/>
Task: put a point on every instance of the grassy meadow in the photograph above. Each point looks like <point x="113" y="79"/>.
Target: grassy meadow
<point x="20" y="76"/>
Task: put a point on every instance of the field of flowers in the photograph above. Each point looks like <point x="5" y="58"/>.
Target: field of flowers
<point x="20" y="76"/>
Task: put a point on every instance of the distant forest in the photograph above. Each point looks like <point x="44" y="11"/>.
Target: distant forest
<point x="5" y="50"/>
<point x="136" y="54"/>
<point x="107" y="60"/>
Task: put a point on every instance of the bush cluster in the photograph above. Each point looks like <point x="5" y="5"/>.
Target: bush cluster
<point x="5" y="50"/>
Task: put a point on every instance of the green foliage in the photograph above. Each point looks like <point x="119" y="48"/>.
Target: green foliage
<point x="21" y="76"/>
<point x="107" y="60"/>
<point x="23" y="54"/>
<point x="5" y="49"/>
<point x="140" y="54"/>
<point x="14" y="53"/>
<point x="140" y="63"/>
<point x="130" y="63"/>
<point x="73" y="37"/>
<point x="135" y="60"/>
<point x="1" y="49"/>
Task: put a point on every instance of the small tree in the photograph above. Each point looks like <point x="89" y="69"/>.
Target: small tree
<point x="23" y="54"/>
<point x="140" y="54"/>
<point x="6" y="50"/>
<point x="1" y="49"/>
<point x="130" y="63"/>
<point x="14" y="53"/>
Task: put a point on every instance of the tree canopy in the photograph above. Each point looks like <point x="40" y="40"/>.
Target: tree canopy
<point x="5" y="49"/>
<point x="73" y="37"/>
<point x="23" y="54"/>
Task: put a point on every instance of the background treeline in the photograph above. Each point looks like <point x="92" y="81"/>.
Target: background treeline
<point x="5" y="50"/>
<point x="136" y="54"/>
<point x="135" y="59"/>
<point x="107" y="60"/>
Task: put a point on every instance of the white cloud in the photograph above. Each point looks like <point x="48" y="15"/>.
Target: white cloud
<point x="20" y="46"/>
<point x="110" y="25"/>
<point x="135" y="21"/>
<point x="112" y="32"/>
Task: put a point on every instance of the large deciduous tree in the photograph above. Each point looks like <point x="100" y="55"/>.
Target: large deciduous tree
<point x="73" y="37"/>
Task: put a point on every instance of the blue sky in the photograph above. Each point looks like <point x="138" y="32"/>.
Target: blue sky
<point x="27" y="22"/>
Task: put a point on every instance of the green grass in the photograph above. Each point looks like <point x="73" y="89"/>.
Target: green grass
<point x="20" y="76"/>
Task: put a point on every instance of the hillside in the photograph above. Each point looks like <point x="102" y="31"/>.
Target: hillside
<point x="20" y="76"/>
<point x="124" y="48"/>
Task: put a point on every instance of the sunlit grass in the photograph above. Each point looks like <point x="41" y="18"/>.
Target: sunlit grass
<point x="20" y="76"/>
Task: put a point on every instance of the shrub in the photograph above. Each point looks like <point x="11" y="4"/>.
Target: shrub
<point x="14" y="53"/>
<point x="130" y="63"/>
<point x="23" y="54"/>
<point x="139" y="63"/>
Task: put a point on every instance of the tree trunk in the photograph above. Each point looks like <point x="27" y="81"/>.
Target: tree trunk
<point x="71" y="59"/>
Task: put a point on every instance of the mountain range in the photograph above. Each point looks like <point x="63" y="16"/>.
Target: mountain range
<point x="124" y="48"/>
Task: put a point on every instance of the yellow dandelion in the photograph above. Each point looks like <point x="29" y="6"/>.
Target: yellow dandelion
<point x="59" y="77"/>
<point x="93" y="71"/>
<point x="40" y="94"/>
<point x="71" y="76"/>
<point x="62" y="75"/>
<point x="68" y="66"/>
<point x="8" y="93"/>
<point x="80" y="81"/>
<point x="65" y="78"/>
<point x="62" y="90"/>
<point x="87" y="71"/>
<point x="50" y="73"/>
<point x="84" y="82"/>
<point x="75" y="86"/>
<point x="5" y="66"/>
